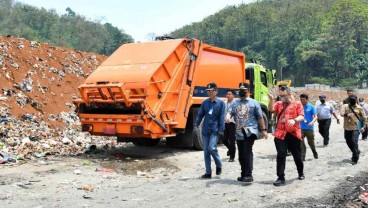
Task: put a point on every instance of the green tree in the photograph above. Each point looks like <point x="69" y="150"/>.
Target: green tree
<point x="345" y="26"/>
<point x="68" y="30"/>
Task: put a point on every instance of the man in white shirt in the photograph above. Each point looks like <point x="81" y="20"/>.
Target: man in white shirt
<point x="230" y="128"/>
<point x="324" y="115"/>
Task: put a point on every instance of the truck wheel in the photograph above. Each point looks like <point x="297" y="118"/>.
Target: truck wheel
<point x="189" y="138"/>
<point x="146" y="142"/>
<point x="197" y="139"/>
<point x="197" y="135"/>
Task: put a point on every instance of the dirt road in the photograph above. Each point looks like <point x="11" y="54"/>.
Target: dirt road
<point x="167" y="177"/>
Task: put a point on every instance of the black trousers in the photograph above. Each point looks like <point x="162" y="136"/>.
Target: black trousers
<point x="324" y="129"/>
<point x="245" y="149"/>
<point x="293" y="144"/>
<point x="229" y="138"/>
<point x="351" y="138"/>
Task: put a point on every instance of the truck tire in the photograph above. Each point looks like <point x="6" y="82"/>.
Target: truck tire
<point x="197" y="135"/>
<point x="197" y="139"/>
<point x="146" y="142"/>
<point x="190" y="138"/>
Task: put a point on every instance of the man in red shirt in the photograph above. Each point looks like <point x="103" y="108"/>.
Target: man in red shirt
<point x="288" y="133"/>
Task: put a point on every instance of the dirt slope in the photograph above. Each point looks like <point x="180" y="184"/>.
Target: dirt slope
<point x="45" y="77"/>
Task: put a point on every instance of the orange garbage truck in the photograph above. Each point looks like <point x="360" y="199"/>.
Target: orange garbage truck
<point x="147" y="91"/>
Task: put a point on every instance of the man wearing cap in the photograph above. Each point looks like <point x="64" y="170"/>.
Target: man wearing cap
<point x="324" y="115"/>
<point x="213" y="110"/>
<point x="365" y="108"/>
<point x="353" y="114"/>
<point x="247" y="114"/>
<point x="288" y="133"/>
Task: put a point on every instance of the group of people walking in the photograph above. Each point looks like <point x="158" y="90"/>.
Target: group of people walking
<point x="241" y="122"/>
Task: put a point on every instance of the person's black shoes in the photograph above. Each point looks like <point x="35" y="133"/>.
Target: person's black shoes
<point x="206" y="176"/>
<point x="218" y="171"/>
<point x="315" y="155"/>
<point x="354" y="162"/>
<point x="246" y="179"/>
<point x="301" y="177"/>
<point x="279" y="182"/>
<point x="231" y="160"/>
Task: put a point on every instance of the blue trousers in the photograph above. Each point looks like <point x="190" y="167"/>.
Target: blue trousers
<point x="210" y="149"/>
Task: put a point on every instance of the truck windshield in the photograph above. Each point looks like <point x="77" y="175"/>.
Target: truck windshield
<point x="264" y="78"/>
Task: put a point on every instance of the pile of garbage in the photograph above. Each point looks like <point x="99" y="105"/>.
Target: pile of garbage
<point x="30" y="138"/>
<point x="38" y="83"/>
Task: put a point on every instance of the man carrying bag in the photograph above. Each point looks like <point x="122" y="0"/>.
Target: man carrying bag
<point x="354" y="121"/>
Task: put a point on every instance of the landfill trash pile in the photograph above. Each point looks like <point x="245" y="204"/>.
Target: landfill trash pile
<point x="38" y="83"/>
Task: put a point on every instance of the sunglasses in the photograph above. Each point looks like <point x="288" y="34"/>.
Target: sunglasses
<point x="282" y="88"/>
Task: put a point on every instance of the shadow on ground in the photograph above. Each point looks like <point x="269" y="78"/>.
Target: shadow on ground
<point x="129" y="158"/>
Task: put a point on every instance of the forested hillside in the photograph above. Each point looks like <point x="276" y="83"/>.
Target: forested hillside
<point x="311" y="41"/>
<point x="68" y="30"/>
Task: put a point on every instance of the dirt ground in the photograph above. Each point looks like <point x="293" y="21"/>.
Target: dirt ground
<point x="162" y="176"/>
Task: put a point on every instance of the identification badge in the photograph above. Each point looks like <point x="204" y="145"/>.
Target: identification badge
<point x="210" y="112"/>
<point x="283" y="120"/>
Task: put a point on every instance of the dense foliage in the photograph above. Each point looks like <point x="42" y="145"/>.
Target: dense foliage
<point x="323" y="41"/>
<point x="68" y="30"/>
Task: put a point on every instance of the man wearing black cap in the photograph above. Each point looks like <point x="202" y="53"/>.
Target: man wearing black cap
<point x="247" y="114"/>
<point x="353" y="114"/>
<point x="213" y="110"/>
<point x="324" y="115"/>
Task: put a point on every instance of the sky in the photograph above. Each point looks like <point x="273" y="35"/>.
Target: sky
<point x="139" y="18"/>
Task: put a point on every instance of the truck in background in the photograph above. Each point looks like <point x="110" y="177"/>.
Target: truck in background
<point x="152" y="90"/>
<point x="284" y="82"/>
